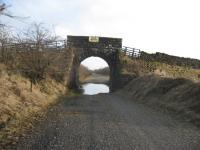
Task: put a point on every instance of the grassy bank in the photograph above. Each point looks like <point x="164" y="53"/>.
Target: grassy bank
<point x="180" y="96"/>
<point x="19" y="107"/>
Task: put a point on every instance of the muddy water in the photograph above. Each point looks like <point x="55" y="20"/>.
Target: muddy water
<point x="93" y="89"/>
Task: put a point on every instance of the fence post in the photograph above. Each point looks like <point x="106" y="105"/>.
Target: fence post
<point x="125" y="50"/>
<point x="139" y="53"/>
<point x="133" y="52"/>
<point x="65" y="44"/>
<point x="56" y="45"/>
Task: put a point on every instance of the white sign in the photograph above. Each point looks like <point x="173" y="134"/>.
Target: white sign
<point x="94" y="39"/>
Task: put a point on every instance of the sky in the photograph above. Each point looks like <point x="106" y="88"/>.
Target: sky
<point x="169" y="26"/>
<point x="94" y="63"/>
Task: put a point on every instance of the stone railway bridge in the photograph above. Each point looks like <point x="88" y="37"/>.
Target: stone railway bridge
<point x="103" y="47"/>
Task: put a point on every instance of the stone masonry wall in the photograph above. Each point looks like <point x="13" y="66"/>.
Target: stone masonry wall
<point x="171" y="60"/>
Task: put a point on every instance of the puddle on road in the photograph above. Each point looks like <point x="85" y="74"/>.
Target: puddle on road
<point x="93" y="89"/>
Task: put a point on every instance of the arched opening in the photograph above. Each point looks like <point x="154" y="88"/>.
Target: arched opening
<point x="94" y="76"/>
<point x="107" y="48"/>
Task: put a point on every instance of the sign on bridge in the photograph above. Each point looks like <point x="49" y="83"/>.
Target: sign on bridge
<point x="93" y="39"/>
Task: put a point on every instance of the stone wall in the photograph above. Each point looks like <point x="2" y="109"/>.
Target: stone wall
<point x="171" y="60"/>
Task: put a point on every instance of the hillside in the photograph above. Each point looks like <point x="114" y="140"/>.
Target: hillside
<point x="103" y="71"/>
<point x="180" y="96"/>
<point x="19" y="107"/>
<point x="84" y="72"/>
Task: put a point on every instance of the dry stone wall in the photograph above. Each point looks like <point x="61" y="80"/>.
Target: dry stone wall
<point x="171" y="60"/>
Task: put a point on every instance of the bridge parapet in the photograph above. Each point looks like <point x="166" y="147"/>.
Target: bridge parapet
<point x="93" y="42"/>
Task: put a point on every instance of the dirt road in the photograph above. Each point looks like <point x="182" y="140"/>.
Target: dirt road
<point x="97" y="78"/>
<point x="109" y="122"/>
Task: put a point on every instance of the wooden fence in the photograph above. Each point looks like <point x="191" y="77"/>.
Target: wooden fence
<point x="27" y="46"/>
<point x="131" y="52"/>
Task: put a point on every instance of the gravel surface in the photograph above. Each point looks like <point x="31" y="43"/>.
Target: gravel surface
<point x="109" y="122"/>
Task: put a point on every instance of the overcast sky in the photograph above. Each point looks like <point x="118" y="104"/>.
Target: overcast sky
<point x="169" y="26"/>
<point x="94" y="63"/>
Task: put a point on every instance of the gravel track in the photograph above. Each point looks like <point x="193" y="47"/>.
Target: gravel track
<point x="109" y="122"/>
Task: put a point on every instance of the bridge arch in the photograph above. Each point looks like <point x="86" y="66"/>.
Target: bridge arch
<point x="105" y="48"/>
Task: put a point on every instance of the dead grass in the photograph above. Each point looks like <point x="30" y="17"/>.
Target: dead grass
<point x="19" y="106"/>
<point x="140" y="67"/>
<point x="176" y="71"/>
<point x="179" y="95"/>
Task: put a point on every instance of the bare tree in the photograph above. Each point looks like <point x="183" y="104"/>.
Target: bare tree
<point x="34" y="60"/>
<point x="2" y="7"/>
<point x="38" y="33"/>
<point x="4" y="10"/>
<point x="5" y="38"/>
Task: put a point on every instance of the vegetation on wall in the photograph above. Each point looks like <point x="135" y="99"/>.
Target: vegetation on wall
<point x="139" y="67"/>
<point x="171" y="60"/>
